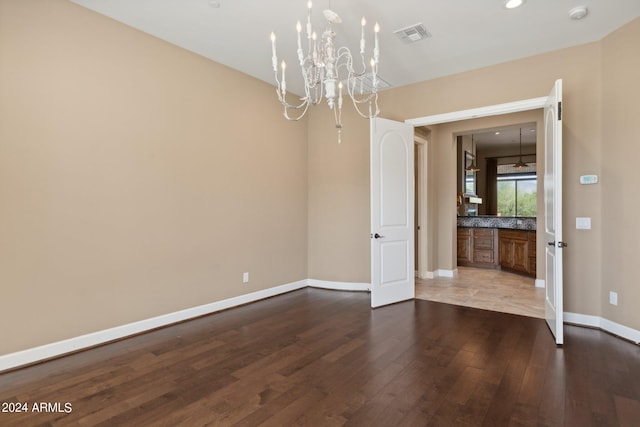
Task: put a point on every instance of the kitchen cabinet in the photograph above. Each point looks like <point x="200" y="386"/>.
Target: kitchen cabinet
<point x="464" y="246"/>
<point x="532" y="252"/>
<point x="478" y="247"/>
<point x="518" y="251"/>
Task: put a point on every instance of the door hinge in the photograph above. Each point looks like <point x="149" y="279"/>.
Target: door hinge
<point x="559" y="110"/>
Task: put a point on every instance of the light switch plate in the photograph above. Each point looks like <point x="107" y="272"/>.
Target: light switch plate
<point x="583" y="223"/>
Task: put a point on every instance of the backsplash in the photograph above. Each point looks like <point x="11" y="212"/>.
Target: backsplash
<point x="497" y="222"/>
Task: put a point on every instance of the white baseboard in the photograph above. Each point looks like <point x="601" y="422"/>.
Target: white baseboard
<point x="446" y="273"/>
<point x="339" y="286"/>
<point x="439" y="273"/>
<point x="540" y="283"/>
<point x="48" y="351"/>
<point x="424" y="274"/>
<point x="604" y="324"/>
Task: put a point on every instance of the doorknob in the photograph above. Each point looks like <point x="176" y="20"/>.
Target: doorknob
<point x="378" y="236"/>
<point x="551" y="243"/>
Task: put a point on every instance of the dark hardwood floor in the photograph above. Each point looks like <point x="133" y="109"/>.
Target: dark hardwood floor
<point x="317" y="357"/>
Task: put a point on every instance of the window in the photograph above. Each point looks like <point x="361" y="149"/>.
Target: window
<point x="517" y="192"/>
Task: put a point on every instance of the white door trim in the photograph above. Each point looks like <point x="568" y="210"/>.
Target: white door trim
<point x="473" y="113"/>
<point x="421" y="246"/>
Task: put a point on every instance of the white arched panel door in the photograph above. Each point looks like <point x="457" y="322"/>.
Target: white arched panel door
<point x="392" y="214"/>
<point x="553" y="307"/>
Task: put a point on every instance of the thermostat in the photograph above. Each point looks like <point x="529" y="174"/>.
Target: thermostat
<point x="588" y="179"/>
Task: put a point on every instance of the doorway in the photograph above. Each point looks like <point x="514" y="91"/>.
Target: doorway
<point x="468" y="285"/>
<point x="484" y="284"/>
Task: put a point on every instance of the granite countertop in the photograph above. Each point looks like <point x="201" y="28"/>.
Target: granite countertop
<point x="511" y="223"/>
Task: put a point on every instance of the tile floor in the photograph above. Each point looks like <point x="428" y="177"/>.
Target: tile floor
<point x="487" y="289"/>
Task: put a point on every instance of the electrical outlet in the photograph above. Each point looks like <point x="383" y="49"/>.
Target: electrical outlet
<point x="613" y="298"/>
<point x="245" y="277"/>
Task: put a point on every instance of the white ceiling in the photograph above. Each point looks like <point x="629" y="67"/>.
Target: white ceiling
<point x="466" y="34"/>
<point x="488" y="139"/>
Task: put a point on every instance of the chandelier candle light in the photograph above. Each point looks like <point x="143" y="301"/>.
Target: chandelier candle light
<point x="326" y="68"/>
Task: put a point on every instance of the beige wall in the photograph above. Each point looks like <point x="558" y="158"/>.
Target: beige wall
<point x="601" y="93"/>
<point x="133" y="186"/>
<point x="620" y="151"/>
<point x="132" y="182"/>
<point x="339" y="232"/>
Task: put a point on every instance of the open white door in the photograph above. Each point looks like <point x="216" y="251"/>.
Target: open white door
<point x="392" y="199"/>
<point x="553" y="307"/>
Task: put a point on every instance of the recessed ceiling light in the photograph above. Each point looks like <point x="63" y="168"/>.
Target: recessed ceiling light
<point x="512" y="4"/>
<point x="578" y="12"/>
<point x="214" y="4"/>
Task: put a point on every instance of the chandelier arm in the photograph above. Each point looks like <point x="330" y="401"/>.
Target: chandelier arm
<point x="372" y="113"/>
<point x="361" y="98"/>
<point x="352" y="75"/>
<point x="295" y="119"/>
<point x="346" y="52"/>
<point x="284" y="102"/>
<point x="304" y="104"/>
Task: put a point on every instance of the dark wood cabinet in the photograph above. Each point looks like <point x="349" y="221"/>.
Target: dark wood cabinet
<point x="518" y="251"/>
<point x="513" y="250"/>
<point x="478" y="247"/>
<point x="464" y="246"/>
<point x="532" y="252"/>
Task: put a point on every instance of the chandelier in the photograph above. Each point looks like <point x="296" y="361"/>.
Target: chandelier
<point x="327" y="70"/>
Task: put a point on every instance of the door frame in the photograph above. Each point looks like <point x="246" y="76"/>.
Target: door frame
<point x="473" y="113"/>
<point x="421" y="201"/>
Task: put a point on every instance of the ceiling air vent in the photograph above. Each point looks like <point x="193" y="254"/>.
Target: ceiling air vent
<point x="412" y="33"/>
<point x="364" y="84"/>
